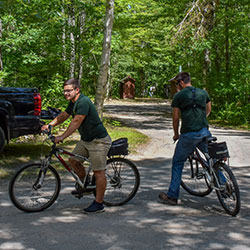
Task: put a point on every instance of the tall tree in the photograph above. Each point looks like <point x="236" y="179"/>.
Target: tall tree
<point x="72" y="24"/>
<point x="199" y="21"/>
<point x="82" y="18"/>
<point x="63" y="37"/>
<point x="105" y="58"/>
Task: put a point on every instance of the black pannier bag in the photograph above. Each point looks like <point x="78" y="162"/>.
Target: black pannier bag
<point x="119" y="147"/>
<point x="218" y="150"/>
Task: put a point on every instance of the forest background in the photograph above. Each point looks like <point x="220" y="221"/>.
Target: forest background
<point x="44" y="42"/>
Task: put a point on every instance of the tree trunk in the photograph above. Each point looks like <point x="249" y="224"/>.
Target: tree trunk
<point x="108" y="89"/>
<point x="63" y="39"/>
<point x="105" y="58"/>
<point x="72" y="40"/>
<point x="143" y="91"/>
<point x="82" y="18"/>
<point x="206" y="66"/>
<point x="208" y="24"/>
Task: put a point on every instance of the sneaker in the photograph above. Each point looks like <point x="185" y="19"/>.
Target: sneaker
<point x="163" y="198"/>
<point x="94" y="208"/>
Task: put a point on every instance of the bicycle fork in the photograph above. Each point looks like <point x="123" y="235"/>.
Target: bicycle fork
<point x="41" y="175"/>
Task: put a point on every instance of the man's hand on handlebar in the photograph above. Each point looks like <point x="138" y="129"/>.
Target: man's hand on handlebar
<point x="46" y="127"/>
<point x="47" y="130"/>
<point x="59" y="139"/>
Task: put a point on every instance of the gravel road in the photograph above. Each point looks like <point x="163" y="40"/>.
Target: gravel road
<point x="196" y="223"/>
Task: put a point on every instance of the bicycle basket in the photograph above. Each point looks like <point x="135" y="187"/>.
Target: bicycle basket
<point x="218" y="150"/>
<point x="119" y="147"/>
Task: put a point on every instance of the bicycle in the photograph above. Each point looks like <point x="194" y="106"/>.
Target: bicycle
<point x="204" y="172"/>
<point x="36" y="185"/>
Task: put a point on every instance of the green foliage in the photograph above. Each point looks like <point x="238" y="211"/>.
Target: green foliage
<point x="235" y="114"/>
<point x="53" y="92"/>
<point x="145" y="46"/>
<point x="111" y="123"/>
<point x="117" y="130"/>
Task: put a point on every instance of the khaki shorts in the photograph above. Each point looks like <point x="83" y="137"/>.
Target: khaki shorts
<point x="95" y="150"/>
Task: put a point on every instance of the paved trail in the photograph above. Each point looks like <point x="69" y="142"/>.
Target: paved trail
<point x="197" y="223"/>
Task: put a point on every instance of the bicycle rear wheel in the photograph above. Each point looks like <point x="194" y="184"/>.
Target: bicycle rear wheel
<point x="34" y="188"/>
<point x="123" y="181"/>
<point x="194" y="179"/>
<point x="228" y="190"/>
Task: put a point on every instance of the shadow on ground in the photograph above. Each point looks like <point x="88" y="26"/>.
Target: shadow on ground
<point x="143" y="223"/>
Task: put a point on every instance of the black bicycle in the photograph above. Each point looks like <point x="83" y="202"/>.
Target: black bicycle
<point x="36" y="185"/>
<point x="204" y="172"/>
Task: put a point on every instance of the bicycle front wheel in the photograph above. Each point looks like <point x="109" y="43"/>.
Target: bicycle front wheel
<point x="194" y="179"/>
<point x="227" y="189"/>
<point x="34" y="188"/>
<point x="123" y="181"/>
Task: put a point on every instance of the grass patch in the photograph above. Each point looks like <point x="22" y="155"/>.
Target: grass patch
<point x="16" y="154"/>
<point x="226" y="124"/>
<point x="117" y="130"/>
<point x="32" y="148"/>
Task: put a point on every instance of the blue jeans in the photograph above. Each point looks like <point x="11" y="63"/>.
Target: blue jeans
<point x="184" y="148"/>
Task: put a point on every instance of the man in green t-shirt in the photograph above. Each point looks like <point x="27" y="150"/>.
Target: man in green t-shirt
<point x="95" y="141"/>
<point x="192" y="105"/>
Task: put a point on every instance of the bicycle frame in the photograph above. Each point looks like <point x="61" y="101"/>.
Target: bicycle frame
<point x="36" y="185"/>
<point x="208" y="165"/>
<point x="57" y="152"/>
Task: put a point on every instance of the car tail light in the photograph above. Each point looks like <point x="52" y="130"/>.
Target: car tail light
<point x="37" y="104"/>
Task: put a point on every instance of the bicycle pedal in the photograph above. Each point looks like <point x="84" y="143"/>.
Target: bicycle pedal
<point x="79" y="196"/>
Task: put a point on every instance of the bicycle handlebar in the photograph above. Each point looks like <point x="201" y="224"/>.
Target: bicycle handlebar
<point x="48" y="133"/>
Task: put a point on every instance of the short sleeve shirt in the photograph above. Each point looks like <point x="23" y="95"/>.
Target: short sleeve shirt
<point x="92" y="126"/>
<point x="193" y="119"/>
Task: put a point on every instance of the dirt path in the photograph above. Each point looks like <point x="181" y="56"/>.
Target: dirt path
<point x="151" y="119"/>
<point x="154" y="120"/>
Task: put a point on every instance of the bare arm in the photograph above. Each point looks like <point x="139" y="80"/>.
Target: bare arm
<point x="208" y="108"/>
<point x="73" y="126"/>
<point x="60" y="119"/>
<point x="176" y="117"/>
